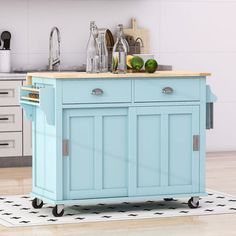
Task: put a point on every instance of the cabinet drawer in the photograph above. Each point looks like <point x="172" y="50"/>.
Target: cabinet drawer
<point x="100" y="91"/>
<point x="9" y="92"/>
<point x="10" y="119"/>
<point x="11" y="144"/>
<point x="154" y="90"/>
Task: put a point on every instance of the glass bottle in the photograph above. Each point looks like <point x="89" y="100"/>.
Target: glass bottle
<point x="102" y="50"/>
<point x="92" y="50"/>
<point x="119" y="53"/>
<point x="125" y="41"/>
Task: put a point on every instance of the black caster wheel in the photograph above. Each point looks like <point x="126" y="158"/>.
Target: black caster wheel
<point x="193" y="202"/>
<point x="56" y="213"/>
<point x="168" y="199"/>
<point x="37" y="203"/>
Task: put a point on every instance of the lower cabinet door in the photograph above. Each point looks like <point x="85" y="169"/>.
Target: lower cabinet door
<point x="164" y="157"/>
<point x="97" y="161"/>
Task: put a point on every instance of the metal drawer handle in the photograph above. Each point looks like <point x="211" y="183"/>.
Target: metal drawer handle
<point x="4" y="93"/>
<point x="97" y="91"/>
<point x="4" y="118"/>
<point x="4" y="144"/>
<point x="167" y="90"/>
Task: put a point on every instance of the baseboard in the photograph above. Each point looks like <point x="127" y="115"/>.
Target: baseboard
<point x="221" y="153"/>
<point x="15" y="161"/>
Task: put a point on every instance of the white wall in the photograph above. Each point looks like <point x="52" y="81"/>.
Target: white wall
<point x="201" y="36"/>
<point x="30" y="22"/>
<point x="197" y="35"/>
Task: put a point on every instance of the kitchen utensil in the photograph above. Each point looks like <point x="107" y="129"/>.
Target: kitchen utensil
<point x="138" y="33"/>
<point x="109" y="38"/>
<point x="110" y="44"/>
<point x="5" y="61"/>
<point x="6" y="38"/>
<point x="130" y="40"/>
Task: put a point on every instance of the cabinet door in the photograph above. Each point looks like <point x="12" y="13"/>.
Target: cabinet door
<point x="162" y="157"/>
<point x="96" y="165"/>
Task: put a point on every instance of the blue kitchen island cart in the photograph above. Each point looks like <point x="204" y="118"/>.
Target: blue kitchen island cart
<point x="108" y="138"/>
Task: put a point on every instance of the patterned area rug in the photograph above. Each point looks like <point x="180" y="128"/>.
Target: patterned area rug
<point x="17" y="210"/>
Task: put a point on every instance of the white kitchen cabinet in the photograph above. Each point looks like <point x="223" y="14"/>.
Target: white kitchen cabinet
<point x="10" y="144"/>
<point x="10" y="119"/>
<point x="9" y="92"/>
<point x="15" y="130"/>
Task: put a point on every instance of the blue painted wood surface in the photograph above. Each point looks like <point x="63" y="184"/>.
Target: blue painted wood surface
<point x="130" y="142"/>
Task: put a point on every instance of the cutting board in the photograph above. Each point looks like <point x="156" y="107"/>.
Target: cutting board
<point x="138" y="33"/>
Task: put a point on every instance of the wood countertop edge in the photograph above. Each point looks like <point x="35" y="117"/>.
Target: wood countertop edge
<point x="84" y="75"/>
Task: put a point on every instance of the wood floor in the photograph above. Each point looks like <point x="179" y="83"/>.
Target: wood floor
<point x="221" y="176"/>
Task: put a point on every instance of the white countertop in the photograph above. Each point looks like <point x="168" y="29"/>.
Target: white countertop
<point x="12" y="76"/>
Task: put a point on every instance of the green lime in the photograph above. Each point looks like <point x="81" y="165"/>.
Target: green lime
<point x="151" y="66"/>
<point x="137" y="63"/>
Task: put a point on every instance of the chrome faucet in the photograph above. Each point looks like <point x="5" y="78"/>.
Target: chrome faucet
<point x="54" y="63"/>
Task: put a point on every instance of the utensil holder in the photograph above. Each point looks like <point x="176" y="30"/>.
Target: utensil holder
<point x="5" y="61"/>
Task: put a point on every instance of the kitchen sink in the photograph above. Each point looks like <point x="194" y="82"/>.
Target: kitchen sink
<point x="35" y="71"/>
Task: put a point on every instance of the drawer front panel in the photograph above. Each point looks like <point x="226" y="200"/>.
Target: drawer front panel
<point x="11" y="144"/>
<point x="9" y="92"/>
<point x="10" y="119"/>
<point x="154" y="90"/>
<point x="104" y="91"/>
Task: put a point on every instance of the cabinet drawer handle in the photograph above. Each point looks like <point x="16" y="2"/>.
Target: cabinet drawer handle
<point x="167" y="90"/>
<point x="4" y="144"/>
<point x="4" y="93"/>
<point x="4" y="118"/>
<point x="97" y="91"/>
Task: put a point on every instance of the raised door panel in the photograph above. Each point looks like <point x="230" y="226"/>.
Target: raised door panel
<point x="148" y="150"/>
<point x="115" y="149"/>
<point x="96" y="165"/>
<point x="180" y="149"/>
<point x="82" y="156"/>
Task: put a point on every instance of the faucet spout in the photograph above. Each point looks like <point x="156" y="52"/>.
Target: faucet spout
<point x="54" y="62"/>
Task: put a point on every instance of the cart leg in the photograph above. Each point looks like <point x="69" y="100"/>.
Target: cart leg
<point x="37" y="203"/>
<point x="58" y="210"/>
<point x="193" y="202"/>
<point x="168" y="199"/>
